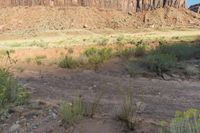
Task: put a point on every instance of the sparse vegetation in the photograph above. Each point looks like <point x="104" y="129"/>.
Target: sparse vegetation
<point x="120" y="40"/>
<point x="184" y="122"/>
<point x="94" y="106"/>
<point x="191" y="70"/>
<point x="10" y="91"/>
<point x="128" y="112"/>
<point x="71" y="113"/>
<point x="39" y="59"/>
<point x="102" y="41"/>
<point x="127" y="52"/>
<point x="140" y="49"/>
<point x="97" y="56"/>
<point x="68" y="62"/>
<point x="160" y="63"/>
<point x="181" y="51"/>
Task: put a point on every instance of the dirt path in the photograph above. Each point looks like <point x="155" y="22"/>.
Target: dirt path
<point x="162" y="98"/>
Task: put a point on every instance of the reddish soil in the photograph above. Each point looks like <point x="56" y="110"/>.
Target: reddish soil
<point x="28" y="20"/>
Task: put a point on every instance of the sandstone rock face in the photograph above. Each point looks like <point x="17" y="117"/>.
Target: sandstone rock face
<point x="195" y="8"/>
<point x="123" y="5"/>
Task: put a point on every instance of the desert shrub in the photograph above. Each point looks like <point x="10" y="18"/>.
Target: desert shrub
<point x="71" y="113"/>
<point x="103" y="41"/>
<point x="10" y="91"/>
<point x="97" y="56"/>
<point x="184" y="122"/>
<point x="191" y="70"/>
<point x="160" y="63"/>
<point x="181" y="51"/>
<point x="68" y="62"/>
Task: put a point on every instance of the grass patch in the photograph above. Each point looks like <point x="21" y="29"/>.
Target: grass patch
<point x="72" y="113"/>
<point x="120" y="40"/>
<point x="129" y="111"/>
<point x="97" y="56"/>
<point x="68" y="62"/>
<point x="11" y="93"/>
<point x="102" y="41"/>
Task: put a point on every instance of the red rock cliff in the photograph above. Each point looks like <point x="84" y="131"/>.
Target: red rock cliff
<point x="124" y="5"/>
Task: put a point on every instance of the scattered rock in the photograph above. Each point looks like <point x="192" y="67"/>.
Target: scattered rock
<point x="14" y="128"/>
<point x="130" y="13"/>
<point x="175" y="76"/>
<point x="166" y="77"/>
<point x="141" y="106"/>
<point x="85" y="26"/>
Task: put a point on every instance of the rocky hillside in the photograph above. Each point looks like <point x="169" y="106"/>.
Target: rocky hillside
<point x="59" y="18"/>
<point x="123" y="5"/>
<point x="195" y="8"/>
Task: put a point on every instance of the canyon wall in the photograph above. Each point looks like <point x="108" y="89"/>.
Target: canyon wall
<point x="123" y="5"/>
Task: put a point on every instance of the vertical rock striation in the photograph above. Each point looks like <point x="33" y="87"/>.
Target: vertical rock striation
<point x="123" y="5"/>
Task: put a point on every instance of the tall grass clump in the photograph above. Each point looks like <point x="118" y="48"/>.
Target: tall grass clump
<point x="72" y="113"/>
<point x="184" y="122"/>
<point x="129" y="111"/>
<point x="160" y="63"/>
<point x="140" y="49"/>
<point x="11" y="93"/>
<point x="68" y="62"/>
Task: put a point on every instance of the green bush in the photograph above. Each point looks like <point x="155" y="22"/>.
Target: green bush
<point x="181" y="51"/>
<point x="160" y="63"/>
<point x="68" y="62"/>
<point x="184" y="122"/>
<point x="71" y="113"/>
<point x="97" y="56"/>
<point x="10" y="91"/>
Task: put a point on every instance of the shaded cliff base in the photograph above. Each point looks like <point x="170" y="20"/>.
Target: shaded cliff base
<point x="45" y="18"/>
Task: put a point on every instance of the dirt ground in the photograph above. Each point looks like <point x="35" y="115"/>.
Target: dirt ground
<point x="49" y="85"/>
